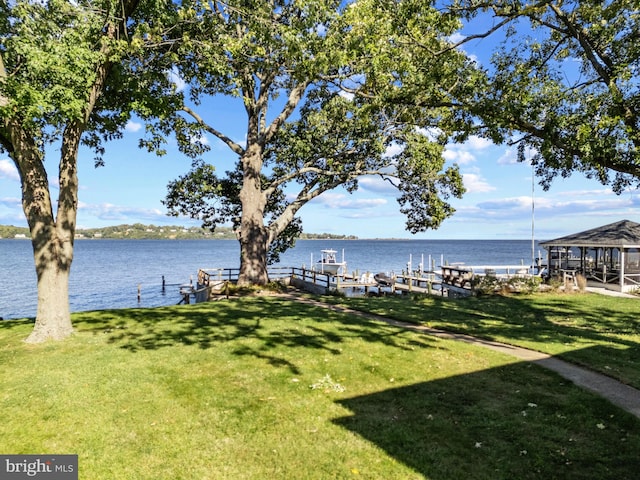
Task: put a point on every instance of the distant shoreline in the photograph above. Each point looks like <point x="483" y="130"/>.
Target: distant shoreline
<point x="153" y="232"/>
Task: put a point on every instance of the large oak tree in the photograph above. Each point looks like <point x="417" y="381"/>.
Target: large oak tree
<point x="320" y="82"/>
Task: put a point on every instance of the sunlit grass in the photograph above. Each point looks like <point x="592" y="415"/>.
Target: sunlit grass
<point x="597" y="331"/>
<point x="224" y="391"/>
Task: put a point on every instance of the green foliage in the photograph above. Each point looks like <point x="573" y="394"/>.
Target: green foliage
<point x="140" y="231"/>
<point x="200" y="194"/>
<point x="47" y="50"/>
<point x="348" y="72"/>
<point x="153" y="232"/>
<point x="9" y="231"/>
<point x="491" y="285"/>
<point x="426" y="184"/>
<point x="564" y="85"/>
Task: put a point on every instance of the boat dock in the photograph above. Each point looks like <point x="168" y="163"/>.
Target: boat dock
<point x="214" y="281"/>
<point x="450" y="280"/>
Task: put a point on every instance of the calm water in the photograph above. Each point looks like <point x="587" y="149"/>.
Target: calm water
<point x="106" y="273"/>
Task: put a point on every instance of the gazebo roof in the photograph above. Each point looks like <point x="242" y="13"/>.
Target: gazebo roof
<point x="624" y="233"/>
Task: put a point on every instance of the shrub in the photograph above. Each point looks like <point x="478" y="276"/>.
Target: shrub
<point x="491" y="285"/>
<point x="581" y="281"/>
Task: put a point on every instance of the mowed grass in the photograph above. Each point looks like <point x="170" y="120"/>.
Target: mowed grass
<point x="597" y="331"/>
<point x="268" y="388"/>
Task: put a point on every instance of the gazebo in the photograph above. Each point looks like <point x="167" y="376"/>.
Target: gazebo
<point x="608" y="256"/>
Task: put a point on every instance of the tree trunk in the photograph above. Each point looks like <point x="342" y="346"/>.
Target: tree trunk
<point x="53" y="261"/>
<point x="253" y="233"/>
<point x="52" y="241"/>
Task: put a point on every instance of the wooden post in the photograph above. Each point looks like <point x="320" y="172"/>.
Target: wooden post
<point x="139" y="292"/>
<point x="163" y="284"/>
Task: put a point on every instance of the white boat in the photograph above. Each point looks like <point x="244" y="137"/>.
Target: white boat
<point x="329" y="263"/>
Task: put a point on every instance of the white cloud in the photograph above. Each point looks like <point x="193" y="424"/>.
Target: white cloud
<point x="509" y="157"/>
<point x="341" y="201"/>
<point x="111" y="212"/>
<point x="478" y="143"/>
<point x="10" y="202"/>
<point x="432" y="133"/>
<point x="177" y="80"/>
<point x="393" y="149"/>
<point x="9" y="170"/>
<point x="551" y="211"/>
<point x="475" y="183"/>
<point x="132" y="126"/>
<point x="585" y="193"/>
<point x="463" y="153"/>
<point x="511" y="203"/>
<point x="202" y="139"/>
<point x="461" y="157"/>
<point x="456" y="37"/>
<point x="347" y="95"/>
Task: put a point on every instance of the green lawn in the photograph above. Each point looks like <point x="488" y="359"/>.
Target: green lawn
<point x="597" y="331"/>
<point x="267" y="388"/>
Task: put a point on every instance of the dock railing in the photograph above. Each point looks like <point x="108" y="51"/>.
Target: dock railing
<point x="214" y="281"/>
<point x="460" y="278"/>
<point x="207" y="276"/>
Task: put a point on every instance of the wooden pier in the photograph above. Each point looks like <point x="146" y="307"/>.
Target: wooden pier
<point x="212" y="282"/>
<point x="451" y="280"/>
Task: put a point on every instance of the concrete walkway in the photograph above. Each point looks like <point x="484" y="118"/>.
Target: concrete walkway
<point x="624" y="396"/>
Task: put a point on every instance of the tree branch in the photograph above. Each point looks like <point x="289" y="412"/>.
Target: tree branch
<point x="295" y="95"/>
<point x="230" y="143"/>
<point x="4" y="101"/>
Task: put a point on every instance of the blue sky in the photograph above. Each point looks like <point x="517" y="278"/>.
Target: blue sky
<point x="497" y="205"/>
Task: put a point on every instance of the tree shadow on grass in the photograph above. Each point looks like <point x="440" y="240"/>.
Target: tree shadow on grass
<point x="15" y="322"/>
<point x="555" y="322"/>
<point x="576" y="321"/>
<point x="543" y="318"/>
<point x="516" y="421"/>
<point x="264" y="325"/>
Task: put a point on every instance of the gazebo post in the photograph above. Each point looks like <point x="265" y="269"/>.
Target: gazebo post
<point x="622" y="269"/>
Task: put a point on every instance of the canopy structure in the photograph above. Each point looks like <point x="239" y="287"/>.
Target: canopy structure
<point x="607" y="255"/>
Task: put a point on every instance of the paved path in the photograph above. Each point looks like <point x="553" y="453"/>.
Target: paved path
<point x="624" y="396"/>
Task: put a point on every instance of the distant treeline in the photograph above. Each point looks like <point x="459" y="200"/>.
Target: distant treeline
<point x="140" y="231"/>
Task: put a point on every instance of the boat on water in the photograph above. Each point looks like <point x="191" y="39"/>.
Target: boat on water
<point x="328" y="262"/>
